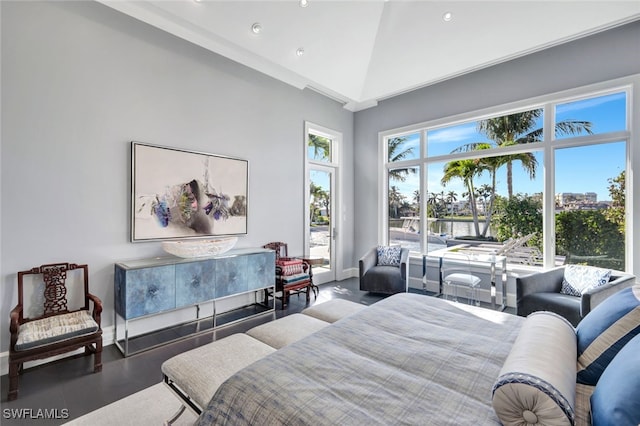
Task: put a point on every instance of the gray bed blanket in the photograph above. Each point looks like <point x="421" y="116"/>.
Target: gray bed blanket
<point x="408" y="359"/>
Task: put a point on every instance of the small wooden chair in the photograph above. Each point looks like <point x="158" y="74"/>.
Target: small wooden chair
<point x="55" y="329"/>
<point x="285" y="282"/>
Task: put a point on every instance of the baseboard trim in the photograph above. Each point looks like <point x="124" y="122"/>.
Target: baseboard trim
<point x="347" y="273"/>
<point x="108" y="337"/>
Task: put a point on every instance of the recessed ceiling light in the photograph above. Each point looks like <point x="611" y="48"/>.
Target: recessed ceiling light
<point x="256" y="28"/>
<point x="448" y="16"/>
<point x="304" y="3"/>
<point x="300" y="51"/>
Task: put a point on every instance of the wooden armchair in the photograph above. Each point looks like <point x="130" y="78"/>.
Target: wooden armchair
<point x="54" y="329"/>
<point x="289" y="282"/>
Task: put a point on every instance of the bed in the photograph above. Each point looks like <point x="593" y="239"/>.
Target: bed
<point x="408" y="359"/>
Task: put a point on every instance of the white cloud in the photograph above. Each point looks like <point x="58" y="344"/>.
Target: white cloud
<point x="589" y="103"/>
<point x="453" y="134"/>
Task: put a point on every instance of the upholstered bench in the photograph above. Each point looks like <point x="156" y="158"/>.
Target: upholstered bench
<point x="195" y="375"/>
<point x="333" y="310"/>
<point x="286" y="330"/>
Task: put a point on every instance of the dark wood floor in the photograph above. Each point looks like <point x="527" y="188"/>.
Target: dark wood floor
<point x="69" y="384"/>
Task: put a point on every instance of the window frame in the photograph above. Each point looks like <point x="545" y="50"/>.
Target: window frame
<point x="547" y="146"/>
<point x="337" y="147"/>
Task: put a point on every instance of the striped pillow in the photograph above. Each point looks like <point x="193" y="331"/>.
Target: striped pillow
<point x="615" y="401"/>
<point x="605" y="330"/>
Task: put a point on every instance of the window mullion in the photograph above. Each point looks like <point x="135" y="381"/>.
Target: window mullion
<point x="548" y="205"/>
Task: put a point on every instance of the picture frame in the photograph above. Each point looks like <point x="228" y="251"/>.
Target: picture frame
<point x="182" y="194"/>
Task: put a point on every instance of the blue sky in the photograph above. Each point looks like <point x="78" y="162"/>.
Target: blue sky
<point x="581" y="169"/>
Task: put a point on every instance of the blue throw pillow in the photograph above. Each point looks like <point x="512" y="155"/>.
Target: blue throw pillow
<point x="616" y="399"/>
<point x="605" y="330"/>
<point x="389" y="256"/>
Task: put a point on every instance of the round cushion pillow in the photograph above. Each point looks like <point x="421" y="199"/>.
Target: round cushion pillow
<point x="537" y="382"/>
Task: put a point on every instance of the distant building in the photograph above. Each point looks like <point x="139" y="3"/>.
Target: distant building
<point x="563" y="199"/>
<point x="579" y="201"/>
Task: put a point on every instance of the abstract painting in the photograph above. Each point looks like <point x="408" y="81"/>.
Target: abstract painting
<point x="177" y="193"/>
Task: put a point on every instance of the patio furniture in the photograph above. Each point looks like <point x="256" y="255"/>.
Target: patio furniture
<point x="489" y="259"/>
<point x="54" y="328"/>
<point x="378" y="275"/>
<point x="516" y="250"/>
<point x="456" y="272"/>
<point x="541" y="292"/>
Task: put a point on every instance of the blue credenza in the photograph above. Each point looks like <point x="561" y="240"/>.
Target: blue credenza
<point x="169" y="286"/>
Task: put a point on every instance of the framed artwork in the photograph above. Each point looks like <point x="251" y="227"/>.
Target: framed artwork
<point x="179" y="194"/>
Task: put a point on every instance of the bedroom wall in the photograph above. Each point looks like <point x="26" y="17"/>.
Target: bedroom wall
<point x="79" y="82"/>
<point x="601" y="57"/>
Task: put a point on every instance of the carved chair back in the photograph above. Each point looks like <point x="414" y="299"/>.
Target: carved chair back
<point x="56" y="293"/>
<point x="280" y="248"/>
<point x="34" y="333"/>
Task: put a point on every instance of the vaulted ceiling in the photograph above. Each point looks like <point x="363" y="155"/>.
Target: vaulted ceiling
<point x="361" y="51"/>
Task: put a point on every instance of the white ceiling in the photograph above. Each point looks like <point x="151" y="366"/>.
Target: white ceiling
<point x="362" y="51"/>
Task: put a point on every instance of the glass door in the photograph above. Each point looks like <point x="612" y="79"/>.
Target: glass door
<point x="322" y="234"/>
<point x="321" y="231"/>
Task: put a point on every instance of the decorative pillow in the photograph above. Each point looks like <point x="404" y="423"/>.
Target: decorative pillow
<point x="605" y="330"/>
<point x="616" y="399"/>
<point x="389" y="256"/>
<point x="579" y="279"/>
<point x="537" y="383"/>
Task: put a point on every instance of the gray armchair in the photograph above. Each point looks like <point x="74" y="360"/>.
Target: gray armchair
<point x="541" y="292"/>
<point x="384" y="279"/>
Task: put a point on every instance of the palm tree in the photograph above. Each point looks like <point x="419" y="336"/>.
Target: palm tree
<point x="416" y="200"/>
<point x="317" y="194"/>
<point x="465" y="170"/>
<point x="434" y="201"/>
<point x="520" y="128"/>
<point x="396" y="153"/>
<point x="321" y="146"/>
<point x="452" y="197"/>
<point x="395" y="201"/>
<point x="416" y="196"/>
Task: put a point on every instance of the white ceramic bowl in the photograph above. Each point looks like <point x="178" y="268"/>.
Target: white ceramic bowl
<point x="199" y="248"/>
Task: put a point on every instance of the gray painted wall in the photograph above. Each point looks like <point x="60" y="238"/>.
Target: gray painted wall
<point x="598" y="58"/>
<point x="79" y="82"/>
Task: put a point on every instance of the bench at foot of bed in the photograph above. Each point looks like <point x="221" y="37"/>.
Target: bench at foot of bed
<point x="195" y="375"/>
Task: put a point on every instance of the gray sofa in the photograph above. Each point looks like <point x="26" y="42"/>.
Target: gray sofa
<point x="541" y="292"/>
<point x="383" y="279"/>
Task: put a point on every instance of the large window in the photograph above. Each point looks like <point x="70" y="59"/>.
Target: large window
<point x="484" y="181"/>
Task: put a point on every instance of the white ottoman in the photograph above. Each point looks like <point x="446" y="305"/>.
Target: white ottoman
<point x="195" y="375"/>
<point x="286" y="330"/>
<point x="333" y="310"/>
